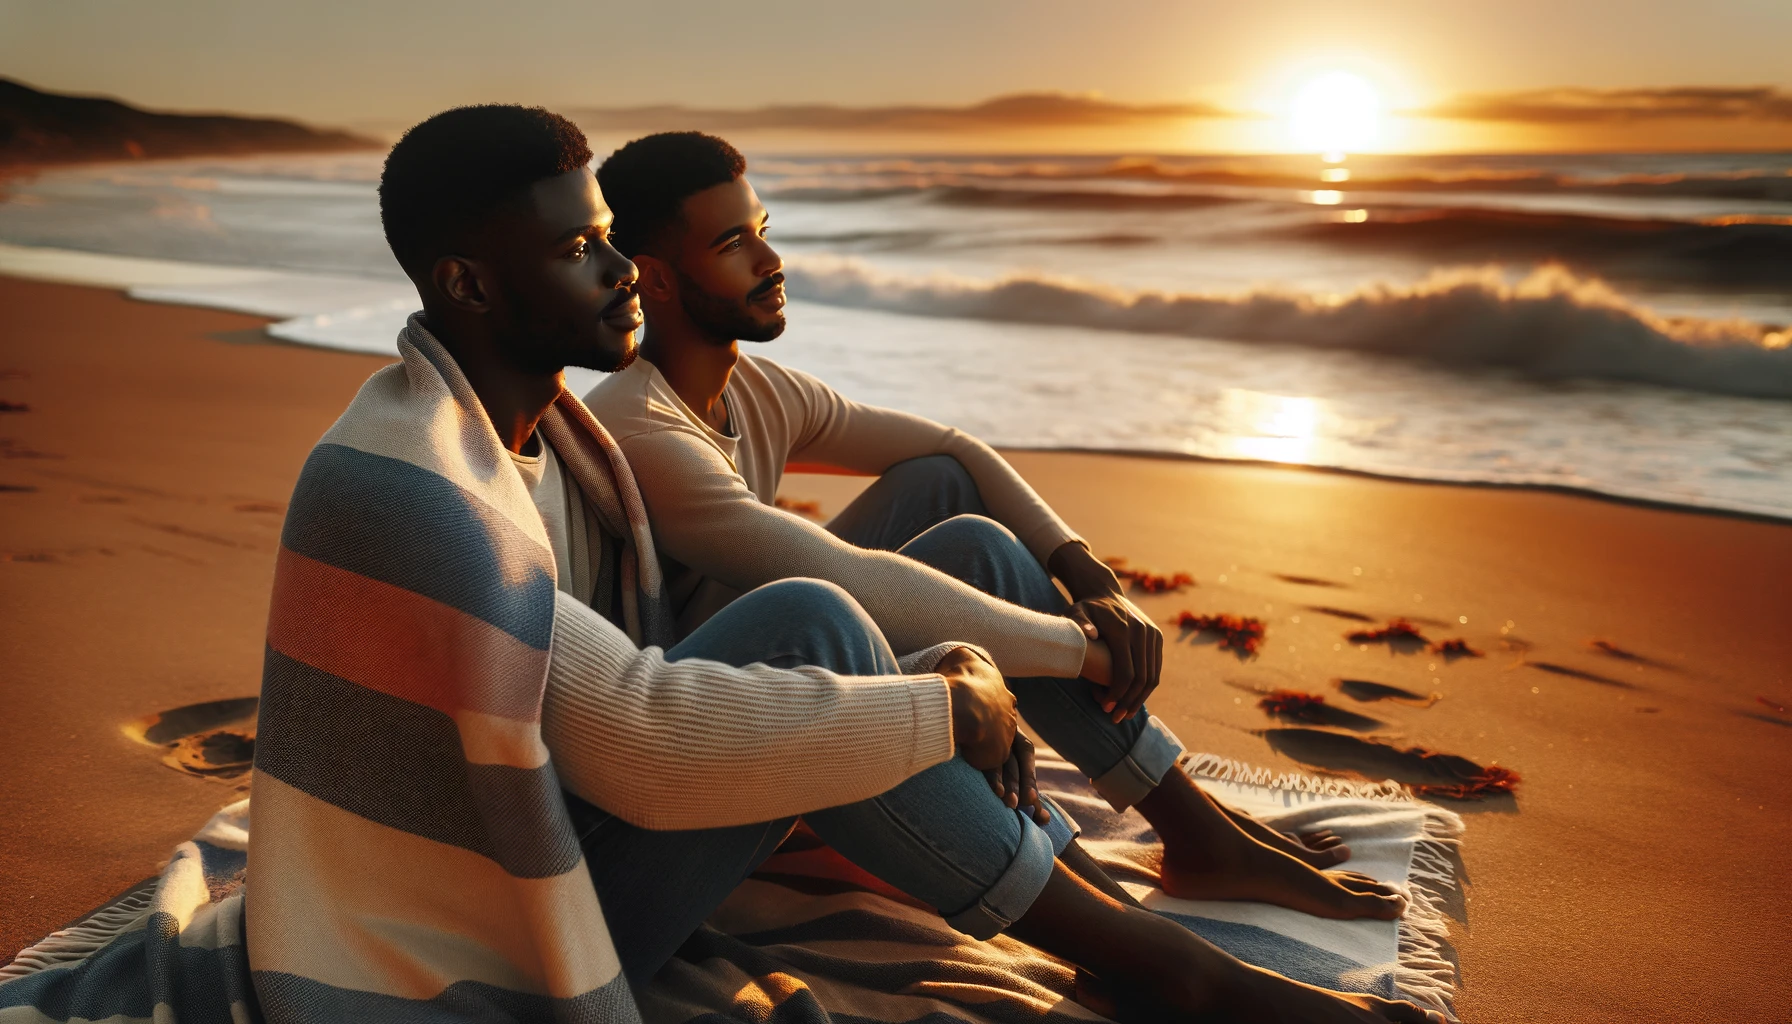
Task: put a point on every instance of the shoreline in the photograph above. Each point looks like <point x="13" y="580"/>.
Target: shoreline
<point x="246" y="289"/>
<point x="1566" y="490"/>
<point x="146" y="483"/>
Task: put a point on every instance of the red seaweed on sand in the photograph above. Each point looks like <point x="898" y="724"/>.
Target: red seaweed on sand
<point x="1491" y="781"/>
<point x="1457" y="648"/>
<point x="1396" y="629"/>
<point x="1302" y="707"/>
<point x="1238" y="632"/>
<point x="1149" y="582"/>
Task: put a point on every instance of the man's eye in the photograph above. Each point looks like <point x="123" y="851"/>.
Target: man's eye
<point x="580" y="251"/>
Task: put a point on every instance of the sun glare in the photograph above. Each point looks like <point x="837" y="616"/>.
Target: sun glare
<point x="1336" y="112"/>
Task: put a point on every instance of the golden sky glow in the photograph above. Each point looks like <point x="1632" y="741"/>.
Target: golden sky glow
<point x="1188" y="75"/>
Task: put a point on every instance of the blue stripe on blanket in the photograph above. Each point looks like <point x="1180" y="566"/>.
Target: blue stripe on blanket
<point x="344" y="744"/>
<point x="404" y="525"/>
<point x="1289" y="956"/>
<point x="290" y="997"/>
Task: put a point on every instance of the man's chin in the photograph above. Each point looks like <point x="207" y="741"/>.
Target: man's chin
<point x="765" y="330"/>
<point x="608" y="357"/>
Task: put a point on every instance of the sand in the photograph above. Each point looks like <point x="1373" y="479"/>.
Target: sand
<point x="1638" y="873"/>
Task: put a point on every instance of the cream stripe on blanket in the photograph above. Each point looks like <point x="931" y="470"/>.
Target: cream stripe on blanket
<point x="819" y="941"/>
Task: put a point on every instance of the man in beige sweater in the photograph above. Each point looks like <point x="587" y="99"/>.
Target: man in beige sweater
<point x="950" y="542"/>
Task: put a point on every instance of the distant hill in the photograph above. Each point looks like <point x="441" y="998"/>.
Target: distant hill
<point x="46" y="128"/>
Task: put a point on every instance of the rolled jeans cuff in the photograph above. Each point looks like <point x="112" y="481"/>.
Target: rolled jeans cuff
<point x="1062" y="828"/>
<point x="1013" y="894"/>
<point x="1138" y="773"/>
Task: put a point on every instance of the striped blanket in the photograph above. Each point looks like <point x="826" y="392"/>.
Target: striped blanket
<point x="809" y="939"/>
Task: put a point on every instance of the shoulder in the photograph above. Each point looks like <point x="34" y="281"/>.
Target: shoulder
<point x="625" y="401"/>
<point x="777" y="375"/>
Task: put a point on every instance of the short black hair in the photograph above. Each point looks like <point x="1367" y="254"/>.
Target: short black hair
<point x="646" y="182"/>
<point x="448" y="173"/>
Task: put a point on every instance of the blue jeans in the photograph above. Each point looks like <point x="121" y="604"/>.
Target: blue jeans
<point x="929" y="509"/>
<point x="942" y="837"/>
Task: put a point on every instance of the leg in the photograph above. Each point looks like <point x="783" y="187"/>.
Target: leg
<point x="906" y="501"/>
<point x="942" y="836"/>
<point x="913" y="497"/>
<point x="1148" y="968"/>
<point x="1207" y="852"/>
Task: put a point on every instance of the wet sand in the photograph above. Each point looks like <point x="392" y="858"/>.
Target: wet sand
<point x="1637" y="874"/>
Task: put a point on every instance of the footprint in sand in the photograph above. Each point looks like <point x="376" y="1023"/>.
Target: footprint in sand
<point x="1305" y="581"/>
<point x="1424" y="772"/>
<point x="1368" y="692"/>
<point x="213" y="740"/>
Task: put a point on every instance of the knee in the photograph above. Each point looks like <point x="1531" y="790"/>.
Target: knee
<point x="812" y="600"/>
<point x="935" y="472"/>
<point x="980" y="534"/>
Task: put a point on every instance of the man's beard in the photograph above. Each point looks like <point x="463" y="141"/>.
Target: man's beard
<point x="725" y="318"/>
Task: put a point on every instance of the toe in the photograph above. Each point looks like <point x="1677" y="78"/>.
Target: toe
<point x="1376" y="906"/>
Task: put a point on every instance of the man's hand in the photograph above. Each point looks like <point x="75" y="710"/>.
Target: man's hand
<point x="1134" y="645"/>
<point x="984" y="718"/>
<point x="1016" y="782"/>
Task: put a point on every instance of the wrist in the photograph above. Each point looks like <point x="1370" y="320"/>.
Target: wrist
<point x="1084" y="575"/>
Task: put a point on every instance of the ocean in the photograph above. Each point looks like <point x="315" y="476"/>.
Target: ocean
<point x="1611" y="324"/>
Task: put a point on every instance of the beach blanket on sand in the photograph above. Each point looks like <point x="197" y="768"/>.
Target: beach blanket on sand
<point x="810" y="939"/>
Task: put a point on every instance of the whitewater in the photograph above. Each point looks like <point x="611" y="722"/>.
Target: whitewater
<point x="1613" y="325"/>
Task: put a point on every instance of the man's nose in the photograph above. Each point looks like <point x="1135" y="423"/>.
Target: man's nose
<point x="769" y="261"/>
<point x="620" y="271"/>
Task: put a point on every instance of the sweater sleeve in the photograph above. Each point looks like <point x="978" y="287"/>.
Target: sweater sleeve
<point x="838" y="431"/>
<point x="699" y="744"/>
<point x="705" y="516"/>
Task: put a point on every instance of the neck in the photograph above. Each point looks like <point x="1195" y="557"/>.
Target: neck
<point x="696" y="365"/>
<point x="515" y="399"/>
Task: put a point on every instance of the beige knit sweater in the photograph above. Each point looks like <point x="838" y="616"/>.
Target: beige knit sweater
<point x="698" y="744"/>
<point x="709" y="498"/>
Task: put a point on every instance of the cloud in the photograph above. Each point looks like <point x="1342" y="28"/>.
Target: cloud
<point x="1003" y="113"/>
<point x="1620" y="106"/>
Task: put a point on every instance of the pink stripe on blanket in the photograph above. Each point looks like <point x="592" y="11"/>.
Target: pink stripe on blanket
<point x="400" y="643"/>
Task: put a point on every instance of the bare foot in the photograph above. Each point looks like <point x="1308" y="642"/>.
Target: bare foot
<point x="1322" y="849"/>
<point x="1207" y="856"/>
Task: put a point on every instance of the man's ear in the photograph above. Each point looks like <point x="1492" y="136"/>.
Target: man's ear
<point x="458" y="280"/>
<point x="658" y="281"/>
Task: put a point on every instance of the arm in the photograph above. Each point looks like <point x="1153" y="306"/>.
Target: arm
<point x="837" y="431"/>
<point x="705" y="517"/>
<point x="699" y="744"/>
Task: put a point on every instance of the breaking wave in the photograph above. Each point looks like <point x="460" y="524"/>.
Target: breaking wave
<point x="1735" y="252"/>
<point x="1552" y="324"/>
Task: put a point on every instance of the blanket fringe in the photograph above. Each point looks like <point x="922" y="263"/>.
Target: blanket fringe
<point x="1224" y="769"/>
<point x="80" y="941"/>
<point x="1425" y="970"/>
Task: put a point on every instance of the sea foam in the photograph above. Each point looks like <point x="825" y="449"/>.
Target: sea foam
<point x="1552" y="324"/>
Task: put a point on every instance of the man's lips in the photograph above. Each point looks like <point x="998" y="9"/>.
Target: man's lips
<point x="624" y="312"/>
<point x="773" y="297"/>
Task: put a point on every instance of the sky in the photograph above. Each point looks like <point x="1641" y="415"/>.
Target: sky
<point x="1166" y="76"/>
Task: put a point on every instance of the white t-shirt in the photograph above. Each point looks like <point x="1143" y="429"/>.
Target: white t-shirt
<point x="562" y="513"/>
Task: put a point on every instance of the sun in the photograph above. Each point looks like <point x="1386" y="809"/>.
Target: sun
<point x="1336" y="112"/>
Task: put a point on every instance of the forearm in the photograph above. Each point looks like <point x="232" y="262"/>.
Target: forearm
<point x="698" y="744"/>
<point x="872" y="439"/>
